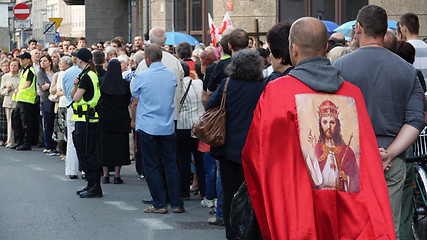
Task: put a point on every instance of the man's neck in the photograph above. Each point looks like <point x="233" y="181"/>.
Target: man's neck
<point x="367" y="41"/>
<point x="412" y="37"/>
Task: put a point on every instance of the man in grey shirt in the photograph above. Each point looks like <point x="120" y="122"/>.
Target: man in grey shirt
<point x="393" y="97"/>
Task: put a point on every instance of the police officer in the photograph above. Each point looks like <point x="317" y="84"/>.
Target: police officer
<point x="25" y="96"/>
<point x="85" y="96"/>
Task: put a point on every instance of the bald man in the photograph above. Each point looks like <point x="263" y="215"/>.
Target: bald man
<point x="305" y="173"/>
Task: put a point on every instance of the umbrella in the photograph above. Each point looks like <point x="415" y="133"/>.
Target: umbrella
<point x="330" y="26"/>
<point x="173" y="38"/>
<point x="345" y="28"/>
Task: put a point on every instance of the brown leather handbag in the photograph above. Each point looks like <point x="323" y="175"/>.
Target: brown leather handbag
<point x="210" y="128"/>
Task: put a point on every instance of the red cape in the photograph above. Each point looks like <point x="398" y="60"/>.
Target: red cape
<point x="285" y="204"/>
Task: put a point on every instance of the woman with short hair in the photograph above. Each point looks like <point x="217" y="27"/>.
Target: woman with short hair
<point x="9" y="82"/>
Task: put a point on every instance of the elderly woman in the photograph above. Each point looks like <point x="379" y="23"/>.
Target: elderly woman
<point x="44" y="80"/>
<point x="124" y="63"/>
<point x="114" y="122"/>
<point x="191" y="109"/>
<point x="110" y="52"/>
<point x="4" y="66"/>
<point x="243" y="91"/>
<point x="57" y="94"/>
<point x="9" y="82"/>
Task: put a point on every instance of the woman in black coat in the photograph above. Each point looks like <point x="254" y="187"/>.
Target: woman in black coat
<point x="114" y="122"/>
<point x="243" y="91"/>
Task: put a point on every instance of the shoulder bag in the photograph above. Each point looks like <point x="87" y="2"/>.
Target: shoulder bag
<point x="210" y="128"/>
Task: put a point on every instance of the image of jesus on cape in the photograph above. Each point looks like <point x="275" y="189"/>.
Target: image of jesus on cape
<point x="330" y="161"/>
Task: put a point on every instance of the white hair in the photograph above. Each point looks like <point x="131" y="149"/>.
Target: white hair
<point x="123" y="58"/>
<point x="139" y="56"/>
<point x="157" y="35"/>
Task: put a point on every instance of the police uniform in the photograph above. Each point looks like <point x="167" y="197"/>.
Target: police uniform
<point x="22" y="116"/>
<point x="85" y="133"/>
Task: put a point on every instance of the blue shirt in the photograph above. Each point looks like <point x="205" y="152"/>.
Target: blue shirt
<point x="155" y="88"/>
<point x="68" y="81"/>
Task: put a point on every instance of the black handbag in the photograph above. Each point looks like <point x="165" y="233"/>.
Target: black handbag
<point x="242" y="216"/>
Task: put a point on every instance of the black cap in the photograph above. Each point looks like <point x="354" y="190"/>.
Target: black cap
<point x="83" y="54"/>
<point x="25" y="55"/>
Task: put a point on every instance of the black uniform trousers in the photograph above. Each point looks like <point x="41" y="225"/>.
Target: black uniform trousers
<point x="22" y="122"/>
<point x="88" y="161"/>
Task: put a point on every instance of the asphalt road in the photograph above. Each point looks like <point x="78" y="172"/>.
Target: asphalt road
<point x="37" y="201"/>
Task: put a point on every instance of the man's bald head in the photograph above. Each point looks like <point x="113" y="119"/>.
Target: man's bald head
<point x="310" y="36"/>
<point x="338" y="36"/>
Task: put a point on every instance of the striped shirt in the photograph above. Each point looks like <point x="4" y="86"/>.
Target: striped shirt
<point x="192" y="107"/>
<point x="420" y="56"/>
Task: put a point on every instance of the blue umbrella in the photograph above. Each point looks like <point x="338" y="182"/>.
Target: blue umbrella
<point x="345" y="28"/>
<point x="173" y="38"/>
<point x="330" y="26"/>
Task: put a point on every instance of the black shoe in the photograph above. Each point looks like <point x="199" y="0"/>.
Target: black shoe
<point x="118" y="180"/>
<point x="106" y="179"/>
<point x="147" y="200"/>
<point x="24" y="148"/>
<point x="84" y="189"/>
<point x="74" y="177"/>
<point x="16" y="146"/>
<point x="93" y="192"/>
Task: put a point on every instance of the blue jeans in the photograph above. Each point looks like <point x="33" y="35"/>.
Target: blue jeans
<point x="161" y="148"/>
<point x="219" y="204"/>
<point x="48" y="123"/>
<point x="210" y="171"/>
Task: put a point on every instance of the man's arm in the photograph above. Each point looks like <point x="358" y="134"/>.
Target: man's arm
<point x="406" y="136"/>
<point x="133" y="111"/>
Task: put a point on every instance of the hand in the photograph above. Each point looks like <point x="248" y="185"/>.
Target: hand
<point x="386" y="159"/>
<point x="76" y="81"/>
<point x="132" y="123"/>
<point x="9" y="88"/>
<point x="311" y="139"/>
<point x="342" y="176"/>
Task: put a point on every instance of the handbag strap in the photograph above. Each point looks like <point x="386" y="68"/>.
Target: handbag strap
<point x="186" y="93"/>
<point x="224" y="94"/>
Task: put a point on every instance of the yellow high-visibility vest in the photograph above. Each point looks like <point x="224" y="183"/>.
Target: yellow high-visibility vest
<point x="27" y="95"/>
<point x="82" y="108"/>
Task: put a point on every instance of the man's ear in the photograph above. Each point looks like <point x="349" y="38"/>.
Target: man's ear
<point x="295" y="50"/>
<point x="229" y="46"/>
<point x="359" y="28"/>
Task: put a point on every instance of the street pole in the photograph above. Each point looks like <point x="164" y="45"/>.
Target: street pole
<point x="22" y="37"/>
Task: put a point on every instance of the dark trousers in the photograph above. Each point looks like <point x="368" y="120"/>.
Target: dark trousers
<point x="232" y="177"/>
<point x="86" y="151"/>
<point x="163" y="148"/>
<point x="185" y="146"/>
<point x="48" y="123"/>
<point x="22" y="122"/>
<point x="139" y="166"/>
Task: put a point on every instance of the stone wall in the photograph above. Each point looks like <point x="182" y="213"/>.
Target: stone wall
<point x="245" y="12"/>
<point x="106" y="19"/>
<point x="396" y="8"/>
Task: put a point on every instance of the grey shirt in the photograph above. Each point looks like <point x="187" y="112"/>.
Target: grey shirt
<point x="42" y="78"/>
<point x="389" y="84"/>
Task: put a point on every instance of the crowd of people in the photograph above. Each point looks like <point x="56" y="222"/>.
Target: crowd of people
<point x="317" y="126"/>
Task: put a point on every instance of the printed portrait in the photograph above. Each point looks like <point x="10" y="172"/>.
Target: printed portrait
<point x="329" y="135"/>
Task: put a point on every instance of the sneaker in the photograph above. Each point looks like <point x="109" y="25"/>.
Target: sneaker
<point x="141" y="177"/>
<point x="207" y="203"/>
<point x="53" y="153"/>
<point x="216" y="221"/>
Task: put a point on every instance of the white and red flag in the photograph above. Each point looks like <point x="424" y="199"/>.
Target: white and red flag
<point x="226" y="23"/>
<point x="213" y="31"/>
